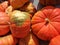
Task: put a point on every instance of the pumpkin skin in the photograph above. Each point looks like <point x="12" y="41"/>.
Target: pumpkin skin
<point x="20" y="24"/>
<point x="4" y="26"/>
<point x="17" y="3"/>
<point x="8" y="40"/>
<point x="55" y="41"/>
<point x="46" y="23"/>
<point x="49" y="2"/>
<point x="30" y="39"/>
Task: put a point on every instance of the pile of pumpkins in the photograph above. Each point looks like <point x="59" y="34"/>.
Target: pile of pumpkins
<point x="22" y="24"/>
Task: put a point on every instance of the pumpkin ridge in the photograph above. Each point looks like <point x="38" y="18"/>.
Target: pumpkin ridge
<point x="44" y="13"/>
<point x="40" y="28"/>
<point x="55" y="18"/>
<point x="36" y="14"/>
<point x="42" y="35"/>
<point x="54" y="13"/>
<point x="54" y="27"/>
<point x="37" y="23"/>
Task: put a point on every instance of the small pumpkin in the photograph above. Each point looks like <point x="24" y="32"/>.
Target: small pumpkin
<point x="30" y="39"/>
<point x="17" y="3"/>
<point x="46" y="23"/>
<point x="55" y="41"/>
<point x="7" y="40"/>
<point x="49" y="2"/>
<point x="20" y="24"/>
<point x="4" y="26"/>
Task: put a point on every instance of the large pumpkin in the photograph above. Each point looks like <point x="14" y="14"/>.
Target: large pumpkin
<point x="4" y="23"/>
<point x="17" y="3"/>
<point x="46" y="23"/>
<point x="55" y="41"/>
<point x="20" y="24"/>
<point x="49" y="2"/>
<point x="30" y="39"/>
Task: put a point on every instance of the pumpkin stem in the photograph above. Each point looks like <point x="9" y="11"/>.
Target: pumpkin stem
<point x="47" y="21"/>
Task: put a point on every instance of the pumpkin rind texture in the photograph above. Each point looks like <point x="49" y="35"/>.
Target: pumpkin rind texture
<point x="4" y="26"/>
<point x="55" y="41"/>
<point x="46" y="23"/>
<point x="20" y="24"/>
<point x="30" y="39"/>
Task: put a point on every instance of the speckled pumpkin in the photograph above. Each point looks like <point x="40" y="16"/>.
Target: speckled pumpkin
<point x="20" y="24"/>
<point x="46" y="23"/>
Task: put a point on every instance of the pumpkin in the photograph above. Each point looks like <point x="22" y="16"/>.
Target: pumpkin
<point x="7" y="40"/>
<point x="55" y="41"/>
<point x="4" y="26"/>
<point x="3" y="6"/>
<point x="20" y="23"/>
<point x="46" y="23"/>
<point x="49" y="2"/>
<point x="30" y="39"/>
<point x="17" y="3"/>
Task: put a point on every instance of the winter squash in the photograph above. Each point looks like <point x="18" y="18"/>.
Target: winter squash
<point x="20" y="23"/>
<point x="17" y="3"/>
<point x="46" y="23"/>
<point x="7" y="40"/>
<point x="30" y="39"/>
<point x="4" y="26"/>
<point x="49" y="2"/>
<point x="55" y="41"/>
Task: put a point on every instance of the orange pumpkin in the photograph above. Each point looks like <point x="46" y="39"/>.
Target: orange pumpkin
<point x="55" y="41"/>
<point x="8" y="40"/>
<point x="49" y="2"/>
<point x="4" y="26"/>
<point x="20" y="24"/>
<point x="46" y="23"/>
<point x="29" y="40"/>
<point x="17" y="3"/>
